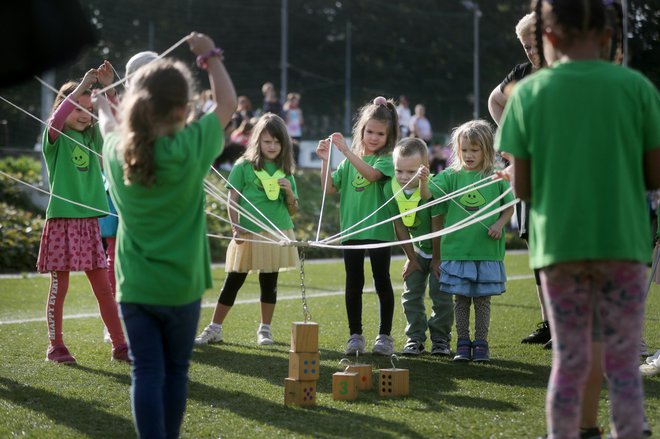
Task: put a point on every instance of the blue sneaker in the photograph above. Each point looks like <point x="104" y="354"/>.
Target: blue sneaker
<point x="463" y="350"/>
<point x="480" y="351"/>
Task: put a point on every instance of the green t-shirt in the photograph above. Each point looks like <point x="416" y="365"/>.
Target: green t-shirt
<point x="75" y="174"/>
<point x="244" y="180"/>
<point x="471" y="243"/>
<point x="585" y="126"/>
<point x="360" y="198"/>
<point x="421" y="225"/>
<point x="162" y="250"/>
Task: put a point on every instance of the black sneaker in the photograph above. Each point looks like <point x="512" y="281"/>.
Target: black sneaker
<point x="548" y="345"/>
<point x="591" y="433"/>
<point x="540" y="336"/>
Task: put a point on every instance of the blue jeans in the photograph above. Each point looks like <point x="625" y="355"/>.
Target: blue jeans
<point x="161" y="340"/>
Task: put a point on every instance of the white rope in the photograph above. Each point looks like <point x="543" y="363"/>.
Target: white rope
<point x="431" y="203"/>
<point x="342" y="234"/>
<point x="215" y="215"/>
<point x="286" y="238"/>
<point x="47" y="127"/>
<point x="226" y="199"/>
<point x="445" y="231"/>
<point x="122" y="80"/>
<point x="260" y="241"/>
<point x="325" y="187"/>
<point x="57" y="196"/>
<point x="456" y="202"/>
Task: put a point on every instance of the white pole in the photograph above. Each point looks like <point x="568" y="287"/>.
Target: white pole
<point x="284" y="51"/>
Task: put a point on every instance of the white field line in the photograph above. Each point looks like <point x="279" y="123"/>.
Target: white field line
<point x="238" y="302"/>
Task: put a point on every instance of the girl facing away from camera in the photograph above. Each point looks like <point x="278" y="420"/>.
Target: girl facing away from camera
<point x="586" y="262"/>
<point x="359" y="179"/>
<point x="156" y="166"/>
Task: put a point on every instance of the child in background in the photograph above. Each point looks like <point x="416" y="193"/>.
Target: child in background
<point x="71" y="240"/>
<point x="294" y="116"/>
<point x="472" y="267"/>
<point x="359" y="179"/>
<point x="156" y="168"/>
<point x="569" y="198"/>
<point x="269" y="156"/>
<point x="422" y="266"/>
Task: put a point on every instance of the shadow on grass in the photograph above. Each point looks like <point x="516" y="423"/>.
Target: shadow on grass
<point x="317" y="421"/>
<point x="78" y="415"/>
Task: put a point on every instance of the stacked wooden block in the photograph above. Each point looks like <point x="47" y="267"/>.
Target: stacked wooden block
<point x="358" y="377"/>
<point x="304" y="363"/>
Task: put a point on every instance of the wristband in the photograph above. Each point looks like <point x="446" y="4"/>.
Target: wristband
<point x="203" y="58"/>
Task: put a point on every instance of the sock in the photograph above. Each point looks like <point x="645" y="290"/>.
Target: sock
<point x="264" y="326"/>
<point x="215" y="326"/>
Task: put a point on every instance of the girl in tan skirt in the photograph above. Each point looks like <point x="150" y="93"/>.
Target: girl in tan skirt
<point x="262" y="183"/>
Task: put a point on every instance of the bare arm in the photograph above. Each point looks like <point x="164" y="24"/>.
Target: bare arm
<point x="221" y="84"/>
<point x="411" y="263"/>
<point x="521" y="178"/>
<point x="496" y="103"/>
<point x="424" y="190"/>
<point x="652" y="168"/>
<point x="362" y="167"/>
<point x="437" y="224"/>
<point x="291" y="200"/>
<point x="495" y="230"/>
<point x="233" y="215"/>
<point x="107" y="121"/>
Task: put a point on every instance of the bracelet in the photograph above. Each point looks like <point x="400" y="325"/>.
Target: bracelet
<point x="203" y="58"/>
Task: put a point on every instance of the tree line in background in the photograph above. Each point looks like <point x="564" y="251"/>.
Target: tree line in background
<point x="419" y="48"/>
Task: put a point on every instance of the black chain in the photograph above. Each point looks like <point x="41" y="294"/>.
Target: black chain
<point x="306" y="314"/>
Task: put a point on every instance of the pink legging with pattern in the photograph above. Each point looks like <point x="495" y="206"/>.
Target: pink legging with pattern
<point x="569" y="289"/>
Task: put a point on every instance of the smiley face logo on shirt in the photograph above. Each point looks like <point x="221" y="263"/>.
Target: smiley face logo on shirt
<point x="472" y="201"/>
<point x="359" y="182"/>
<point x="80" y="158"/>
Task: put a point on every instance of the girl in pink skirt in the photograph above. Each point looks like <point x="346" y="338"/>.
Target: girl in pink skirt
<point x="71" y="240"/>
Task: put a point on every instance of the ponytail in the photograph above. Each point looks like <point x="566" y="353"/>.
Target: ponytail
<point x="139" y="138"/>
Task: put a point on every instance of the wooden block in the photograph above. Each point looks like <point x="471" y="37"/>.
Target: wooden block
<point x="300" y="393"/>
<point x="393" y="382"/>
<point x="304" y="366"/>
<point x="365" y="375"/>
<point x="344" y="386"/>
<point x="304" y="337"/>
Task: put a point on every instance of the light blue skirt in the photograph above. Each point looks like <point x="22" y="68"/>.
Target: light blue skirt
<point x="473" y="278"/>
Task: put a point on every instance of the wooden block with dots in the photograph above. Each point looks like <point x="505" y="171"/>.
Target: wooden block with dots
<point x="301" y="393"/>
<point x="344" y="386"/>
<point x="304" y="337"/>
<point x="304" y="366"/>
<point x="393" y="382"/>
<point x="365" y="375"/>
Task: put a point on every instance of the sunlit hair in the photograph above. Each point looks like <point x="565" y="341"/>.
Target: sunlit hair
<point x="569" y="19"/>
<point x="382" y="112"/>
<point x="153" y="107"/>
<point x="409" y="147"/>
<point x="476" y="132"/>
<point x="525" y="26"/>
<point x="275" y="126"/>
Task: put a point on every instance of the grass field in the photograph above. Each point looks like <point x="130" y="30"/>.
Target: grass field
<point x="236" y="388"/>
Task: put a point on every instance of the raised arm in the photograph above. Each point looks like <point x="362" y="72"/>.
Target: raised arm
<point x="323" y="151"/>
<point x="362" y="167"/>
<point x="210" y="58"/>
<point x="58" y="118"/>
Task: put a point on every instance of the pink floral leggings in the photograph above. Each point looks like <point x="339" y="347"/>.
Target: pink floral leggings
<point x="569" y="288"/>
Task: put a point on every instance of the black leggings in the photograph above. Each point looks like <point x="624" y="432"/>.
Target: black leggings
<point x="380" y="267"/>
<point x="234" y="282"/>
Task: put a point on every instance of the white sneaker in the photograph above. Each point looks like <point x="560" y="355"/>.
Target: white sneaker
<point x="106" y="335"/>
<point x="264" y="336"/>
<point x="384" y="345"/>
<point x="355" y="344"/>
<point x="209" y="335"/>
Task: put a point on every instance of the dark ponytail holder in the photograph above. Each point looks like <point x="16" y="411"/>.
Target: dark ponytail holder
<point x="538" y="31"/>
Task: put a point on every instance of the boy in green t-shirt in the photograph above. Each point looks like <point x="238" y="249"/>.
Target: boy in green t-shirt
<point x="410" y="189"/>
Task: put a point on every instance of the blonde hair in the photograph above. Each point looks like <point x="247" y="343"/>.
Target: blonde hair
<point x="275" y="126"/>
<point x="476" y="132"/>
<point x="411" y="146"/>
<point x="526" y="25"/>
<point x="149" y="108"/>
<point x="382" y="112"/>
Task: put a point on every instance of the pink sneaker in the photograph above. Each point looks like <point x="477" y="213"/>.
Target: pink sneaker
<point x="120" y="353"/>
<point x="59" y="354"/>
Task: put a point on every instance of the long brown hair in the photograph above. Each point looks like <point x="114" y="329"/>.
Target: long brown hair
<point x="382" y="112"/>
<point x="149" y="108"/>
<point x="275" y="126"/>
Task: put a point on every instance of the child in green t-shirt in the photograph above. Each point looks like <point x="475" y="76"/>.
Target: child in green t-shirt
<point x="472" y="267"/>
<point x="262" y="184"/>
<point x="410" y="189"/>
<point x="360" y="178"/>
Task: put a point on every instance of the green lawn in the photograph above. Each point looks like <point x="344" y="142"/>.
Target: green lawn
<point x="236" y="388"/>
